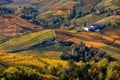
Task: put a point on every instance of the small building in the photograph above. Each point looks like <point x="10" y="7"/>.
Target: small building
<point x="92" y="27"/>
<point x="96" y="27"/>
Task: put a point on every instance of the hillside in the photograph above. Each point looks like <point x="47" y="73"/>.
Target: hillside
<point x="112" y="30"/>
<point x="110" y="45"/>
<point x="62" y="13"/>
<point x="109" y="3"/>
<point x="33" y="42"/>
<point x="90" y="38"/>
<point x="11" y="26"/>
<point x="59" y="39"/>
<point x="26" y="41"/>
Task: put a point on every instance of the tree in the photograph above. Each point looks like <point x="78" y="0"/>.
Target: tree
<point x="113" y="71"/>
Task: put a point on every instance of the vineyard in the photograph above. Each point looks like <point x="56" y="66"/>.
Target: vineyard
<point x="60" y="40"/>
<point x="29" y="59"/>
<point x="14" y="26"/>
<point x="89" y="38"/>
<point x="26" y="41"/>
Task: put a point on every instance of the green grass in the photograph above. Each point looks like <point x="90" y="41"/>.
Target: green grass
<point x="26" y="41"/>
<point x="51" y="52"/>
<point x="112" y="51"/>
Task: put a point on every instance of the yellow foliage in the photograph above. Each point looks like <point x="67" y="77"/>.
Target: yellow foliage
<point x="28" y="59"/>
<point x="61" y="12"/>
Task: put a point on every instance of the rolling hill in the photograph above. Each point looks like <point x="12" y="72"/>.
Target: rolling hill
<point x="26" y="41"/>
<point x="30" y="49"/>
<point x="109" y="3"/>
<point x="89" y="38"/>
<point x="11" y="26"/>
<point x="52" y="12"/>
<point x="110" y="45"/>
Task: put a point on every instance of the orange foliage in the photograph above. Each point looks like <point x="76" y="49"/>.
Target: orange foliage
<point x="10" y="26"/>
<point x="61" y="12"/>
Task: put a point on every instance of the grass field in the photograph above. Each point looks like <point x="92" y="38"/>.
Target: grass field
<point x="26" y="41"/>
<point x="112" y="51"/>
<point x="51" y="52"/>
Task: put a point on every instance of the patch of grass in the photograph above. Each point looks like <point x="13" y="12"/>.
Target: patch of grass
<point x="53" y="48"/>
<point x="52" y="52"/>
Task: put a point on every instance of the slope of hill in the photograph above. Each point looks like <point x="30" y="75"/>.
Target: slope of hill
<point x="26" y="41"/>
<point x="11" y="26"/>
<point x="107" y="43"/>
<point x="90" y="38"/>
<point x="112" y="30"/>
<point x="31" y="52"/>
<point x="109" y="4"/>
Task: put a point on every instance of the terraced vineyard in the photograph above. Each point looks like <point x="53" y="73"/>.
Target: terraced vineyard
<point x="46" y="40"/>
<point x="29" y="59"/>
<point x="26" y="41"/>
<point x="11" y="26"/>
